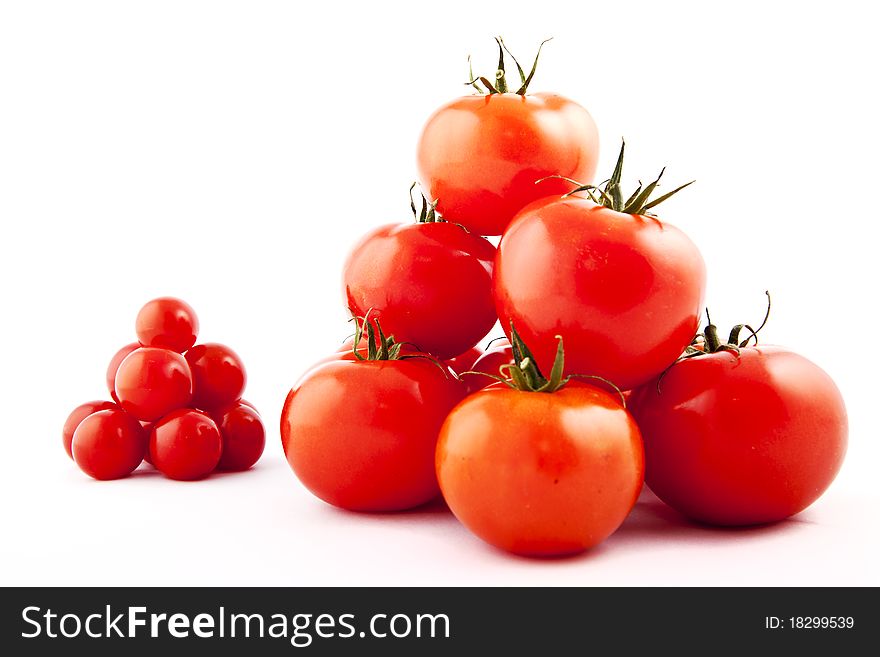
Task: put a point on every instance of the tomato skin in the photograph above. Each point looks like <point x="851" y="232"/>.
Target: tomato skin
<point x="501" y="353"/>
<point x="219" y="376"/>
<point x="624" y="291"/>
<point x="109" y="444"/>
<point x="79" y="414"/>
<point x="113" y="367"/>
<point x="243" y="437"/>
<point x="185" y="444"/>
<point x="152" y="382"/>
<point x="480" y="156"/>
<point x="167" y="323"/>
<point x="464" y="361"/>
<point x="540" y="474"/>
<point x="429" y="284"/>
<point x="361" y="435"/>
<point x="742" y="440"/>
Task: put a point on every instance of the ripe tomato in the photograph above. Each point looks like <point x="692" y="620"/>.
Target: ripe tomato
<point x="361" y="434"/>
<point x="540" y="467"/>
<point x="429" y="284"/>
<point x="625" y="290"/>
<point x="152" y="382"/>
<point x="185" y="444"/>
<point x="118" y="357"/>
<point x="243" y="436"/>
<point x="167" y="323"/>
<point x="109" y="444"/>
<point x="79" y="414"/>
<point x="500" y="353"/>
<point x="740" y="439"/>
<point x="464" y="361"/>
<point x="218" y="375"/>
<point x="479" y="156"/>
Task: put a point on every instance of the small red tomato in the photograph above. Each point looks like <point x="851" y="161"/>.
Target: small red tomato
<point x="152" y="382"/>
<point x="243" y="437"/>
<point x="480" y="155"/>
<point x="245" y="402"/>
<point x="79" y="414"/>
<point x="464" y="361"/>
<point x="500" y="353"/>
<point x="539" y="466"/>
<point x="218" y="375"/>
<point x="168" y="323"/>
<point x="109" y="444"/>
<point x="114" y="367"/>
<point x="185" y="444"/>
<point x="741" y="435"/>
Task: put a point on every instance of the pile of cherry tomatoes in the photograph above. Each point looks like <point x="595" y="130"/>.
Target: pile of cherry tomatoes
<point x="541" y="445"/>
<point x="176" y="405"/>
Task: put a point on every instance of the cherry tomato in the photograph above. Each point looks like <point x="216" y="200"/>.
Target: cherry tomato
<point x="243" y="437"/>
<point x="109" y="444"/>
<point x="185" y="444"/>
<point x="625" y="291"/>
<point x="218" y="375"/>
<point x="114" y="367"/>
<point x="740" y="439"/>
<point x="361" y="434"/>
<point x="152" y="382"/>
<point x="167" y="323"/>
<point x="480" y="156"/>
<point x="79" y="414"/>
<point x="539" y="473"/>
<point x="500" y="353"/>
<point x="464" y="361"/>
<point x="428" y="283"/>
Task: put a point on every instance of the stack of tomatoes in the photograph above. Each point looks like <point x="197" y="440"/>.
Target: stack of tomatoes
<point x="176" y="405"/>
<point x="541" y="444"/>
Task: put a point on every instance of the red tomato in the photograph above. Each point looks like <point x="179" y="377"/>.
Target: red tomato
<point x="148" y="429"/>
<point x="479" y="156"/>
<point x="624" y="290"/>
<point x="79" y="414"/>
<point x="243" y="437"/>
<point x="109" y="444"/>
<point x="538" y="473"/>
<point x="218" y="375"/>
<point x="500" y="353"/>
<point x="114" y="367"/>
<point x="429" y="284"/>
<point x="361" y="434"/>
<point x="185" y="444"/>
<point x="152" y="382"/>
<point x="168" y="323"/>
<point x="741" y="439"/>
<point x="464" y="361"/>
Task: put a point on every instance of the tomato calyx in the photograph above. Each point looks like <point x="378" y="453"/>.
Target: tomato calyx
<point x="500" y="84"/>
<point x="428" y="213"/>
<point x="611" y="195"/>
<point x="525" y="375"/>
<point x="379" y="346"/>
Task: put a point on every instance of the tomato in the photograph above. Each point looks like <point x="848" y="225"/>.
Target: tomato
<point x="480" y="156"/>
<point x="148" y="429"/>
<point x="218" y="375"/>
<point x="117" y="359"/>
<point x="465" y="360"/>
<point x="109" y="444"/>
<point x="79" y="414"/>
<point x="185" y="444"/>
<point x="152" y="382"/>
<point x="540" y="473"/>
<point x="243" y="436"/>
<point x="167" y="323"/>
<point x="500" y="353"/>
<point x="429" y="284"/>
<point x="361" y="434"/>
<point x="741" y="438"/>
<point x="624" y="290"/>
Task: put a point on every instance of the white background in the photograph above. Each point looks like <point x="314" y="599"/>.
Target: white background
<point x="230" y="152"/>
